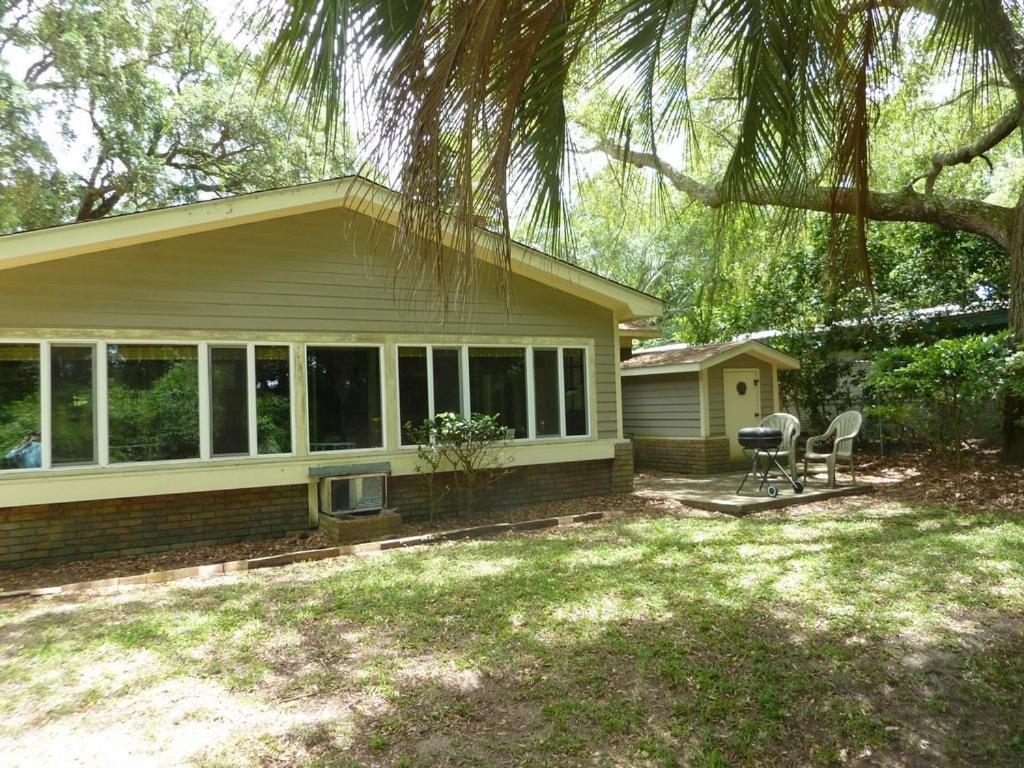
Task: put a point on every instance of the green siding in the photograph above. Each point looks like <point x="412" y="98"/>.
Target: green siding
<point x="716" y="394"/>
<point x="666" y="405"/>
<point x="327" y="272"/>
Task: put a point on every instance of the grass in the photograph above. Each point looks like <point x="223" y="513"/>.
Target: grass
<point x="875" y="633"/>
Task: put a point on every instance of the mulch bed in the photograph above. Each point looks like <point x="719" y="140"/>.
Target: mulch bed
<point x="981" y="483"/>
<point x="88" y="570"/>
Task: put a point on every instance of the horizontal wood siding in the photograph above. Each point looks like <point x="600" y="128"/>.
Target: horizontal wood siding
<point x="716" y="392"/>
<point x="328" y="272"/>
<point x="661" y="406"/>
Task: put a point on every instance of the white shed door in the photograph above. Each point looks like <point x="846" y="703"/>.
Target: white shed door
<point x="742" y="403"/>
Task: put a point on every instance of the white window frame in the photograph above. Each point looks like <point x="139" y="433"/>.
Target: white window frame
<point x="384" y="424"/>
<point x="587" y="386"/>
<point x="250" y="396"/>
<point x="48" y="444"/>
<point x="466" y="395"/>
<point x="101" y="390"/>
<point x="431" y="405"/>
<point x="254" y="448"/>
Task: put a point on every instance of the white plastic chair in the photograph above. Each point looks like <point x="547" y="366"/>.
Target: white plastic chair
<point x="843" y="428"/>
<point x="790" y="427"/>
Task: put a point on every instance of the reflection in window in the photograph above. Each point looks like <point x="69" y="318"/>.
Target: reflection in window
<point x="412" y="389"/>
<point x="574" y="379"/>
<point x="20" y="445"/>
<point x="229" y="402"/>
<point x="447" y="380"/>
<point x="153" y="402"/>
<point x="72" y="405"/>
<point x="273" y="400"/>
<point x="344" y="398"/>
<point x="497" y="385"/>
<point x="545" y="393"/>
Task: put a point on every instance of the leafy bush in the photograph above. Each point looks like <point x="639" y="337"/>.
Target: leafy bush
<point x="937" y="393"/>
<point x="471" y="449"/>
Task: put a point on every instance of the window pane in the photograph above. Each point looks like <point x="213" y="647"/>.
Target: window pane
<point x="545" y="392"/>
<point x="20" y="446"/>
<point x="72" y="405"/>
<point x="447" y="381"/>
<point x="273" y="400"/>
<point x="497" y="385"/>
<point x="344" y="398"/>
<point x="153" y="402"/>
<point x="412" y="388"/>
<point x="574" y="378"/>
<point x="229" y="402"/>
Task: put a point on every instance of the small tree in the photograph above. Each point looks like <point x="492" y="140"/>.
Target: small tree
<point x="946" y="378"/>
<point x="471" y="449"/>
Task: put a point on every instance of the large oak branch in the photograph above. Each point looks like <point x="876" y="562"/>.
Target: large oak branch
<point x="961" y="214"/>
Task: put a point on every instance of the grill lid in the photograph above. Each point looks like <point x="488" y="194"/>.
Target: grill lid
<point x="760" y="437"/>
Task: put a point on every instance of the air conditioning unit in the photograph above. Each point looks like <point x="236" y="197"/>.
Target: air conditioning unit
<point x="353" y="494"/>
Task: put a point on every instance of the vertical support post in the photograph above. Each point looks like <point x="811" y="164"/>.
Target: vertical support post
<point x="45" y="405"/>
<point x="204" y="401"/>
<point x="102" y="406"/>
<point x="250" y="396"/>
<point x="531" y="394"/>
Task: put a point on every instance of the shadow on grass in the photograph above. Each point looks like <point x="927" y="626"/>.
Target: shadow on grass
<point x="652" y="641"/>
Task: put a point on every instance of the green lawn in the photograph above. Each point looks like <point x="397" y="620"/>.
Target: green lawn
<point x="869" y="634"/>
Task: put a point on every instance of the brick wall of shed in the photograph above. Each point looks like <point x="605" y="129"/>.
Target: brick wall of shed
<point x="688" y="456"/>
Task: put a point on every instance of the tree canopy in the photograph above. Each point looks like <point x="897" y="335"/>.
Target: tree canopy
<point x="119" y="105"/>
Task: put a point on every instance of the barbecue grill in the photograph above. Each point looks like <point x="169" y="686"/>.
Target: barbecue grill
<point x="765" y="442"/>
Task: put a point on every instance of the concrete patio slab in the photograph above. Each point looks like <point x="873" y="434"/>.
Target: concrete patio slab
<point x="717" y="493"/>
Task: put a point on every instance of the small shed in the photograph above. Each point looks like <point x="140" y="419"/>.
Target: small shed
<point x="683" y="405"/>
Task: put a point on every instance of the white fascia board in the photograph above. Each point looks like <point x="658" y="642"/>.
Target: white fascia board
<point x="657" y="370"/>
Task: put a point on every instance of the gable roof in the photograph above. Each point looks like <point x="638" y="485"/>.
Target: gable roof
<point x="681" y="358"/>
<point x="354" y="193"/>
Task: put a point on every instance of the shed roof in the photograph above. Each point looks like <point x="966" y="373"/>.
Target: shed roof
<point x="677" y="358"/>
<point x="351" y="192"/>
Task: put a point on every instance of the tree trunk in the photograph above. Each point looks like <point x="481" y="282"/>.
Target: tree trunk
<point x="1013" y="405"/>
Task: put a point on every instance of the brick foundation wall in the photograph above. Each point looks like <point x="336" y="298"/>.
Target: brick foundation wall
<point x="49" y="533"/>
<point x="622" y="468"/>
<point x="686" y="455"/>
<point x="532" y="484"/>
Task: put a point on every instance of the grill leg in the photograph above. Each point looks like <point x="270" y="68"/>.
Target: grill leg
<point x="753" y="468"/>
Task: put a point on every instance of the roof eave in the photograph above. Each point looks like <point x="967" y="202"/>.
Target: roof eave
<point x="763" y="352"/>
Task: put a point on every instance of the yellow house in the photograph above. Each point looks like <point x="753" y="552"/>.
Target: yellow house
<point x="190" y="374"/>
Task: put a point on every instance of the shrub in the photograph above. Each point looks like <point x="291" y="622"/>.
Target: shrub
<point x="935" y="392"/>
<point x="471" y="449"/>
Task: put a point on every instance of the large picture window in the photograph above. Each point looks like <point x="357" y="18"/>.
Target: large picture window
<point x="344" y="398"/>
<point x="229" y="402"/>
<point x="547" y="416"/>
<point x="497" y="385"/>
<point x="447" y="380"/>
<point x="72" y="404"/>
<point x="424" y="372"/>
<point x="574" y="387"/>
<point x="20" y="422"/>
<point x="273" y="400"/>
<point x="413" y="389"/>
<point x="153" y="402"/>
